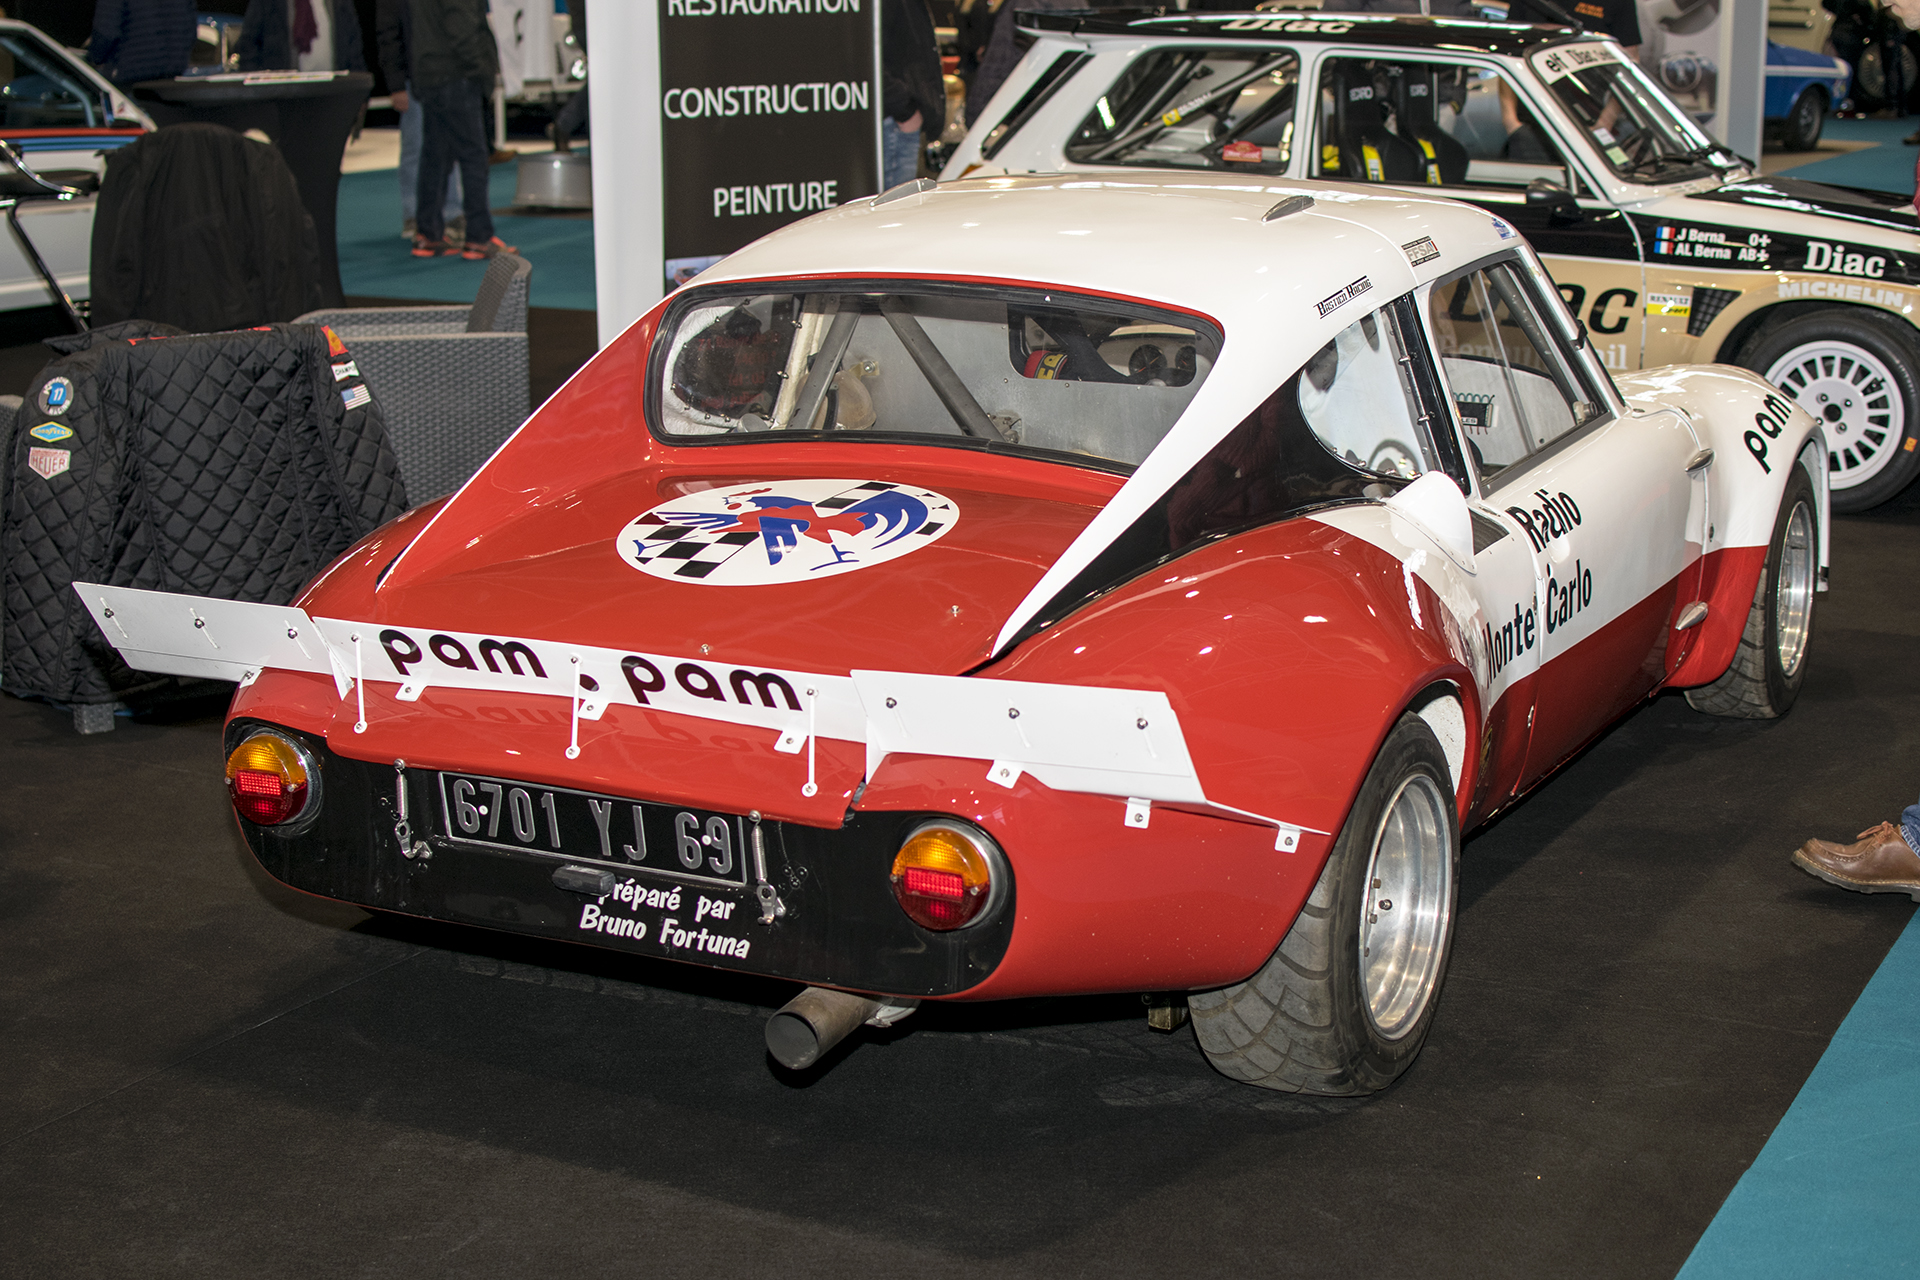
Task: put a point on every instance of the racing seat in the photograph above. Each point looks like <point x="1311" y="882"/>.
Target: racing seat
<point x="1443" y="161"/>
<point x="1368" y="150"/>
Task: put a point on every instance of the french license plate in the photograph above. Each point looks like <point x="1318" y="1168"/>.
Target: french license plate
<point x="689" y="844"/>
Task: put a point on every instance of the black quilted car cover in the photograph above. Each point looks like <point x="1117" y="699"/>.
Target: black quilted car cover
<point x="236" y="465"/>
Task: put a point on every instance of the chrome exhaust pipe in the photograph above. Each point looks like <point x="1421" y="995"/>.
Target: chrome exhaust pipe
<point x="814" y="1021"/>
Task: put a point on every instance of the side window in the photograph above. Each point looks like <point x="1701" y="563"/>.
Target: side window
<point x="1195" y="108"/>
<point x="1407" y="121"/>
<point x="1513" y="387"/>
<point x="1358" y="398"/>
<point x="40" y="90"/>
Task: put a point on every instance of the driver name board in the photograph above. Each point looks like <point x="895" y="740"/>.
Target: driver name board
<point x="769" y="112"/>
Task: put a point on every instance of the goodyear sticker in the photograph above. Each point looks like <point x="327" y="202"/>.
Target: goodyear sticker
<point x="55" y="396"/>
<point x="51" y="432"/>
<point x="783" y="531"/>
<point x="48" y="463"/>
<point x="1669" y="304"/>
<point x="354" y="397"/>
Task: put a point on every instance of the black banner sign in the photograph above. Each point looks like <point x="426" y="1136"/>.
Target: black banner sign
<point x="770" y="112"/>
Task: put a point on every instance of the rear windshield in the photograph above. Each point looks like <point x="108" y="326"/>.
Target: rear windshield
<point x="1195" y="108"/>
<point x="994" y="368"/>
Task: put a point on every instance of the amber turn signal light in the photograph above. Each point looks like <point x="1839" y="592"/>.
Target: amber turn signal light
<point x="943" y="876"/>
<point x="269" y="780"/>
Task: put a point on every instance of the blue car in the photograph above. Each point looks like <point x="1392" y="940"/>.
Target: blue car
<point x="1801" y="88"/>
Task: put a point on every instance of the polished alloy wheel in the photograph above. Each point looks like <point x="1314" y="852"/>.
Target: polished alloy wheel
<point x="1409" y="904"/>
<point x="1793" y="589"/>
<point x="1854" y="396"/>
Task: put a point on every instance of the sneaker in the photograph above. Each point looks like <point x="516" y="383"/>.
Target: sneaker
<point x="503" y="154"/>
<point x="409" y="229"/>
<point x="487" y="249"/>
<point x="456" y="233"/>
<point x="425" y="248"/>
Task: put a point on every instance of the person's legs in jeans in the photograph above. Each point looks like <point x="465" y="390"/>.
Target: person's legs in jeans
<point x="1910" y="826"/>
<point x="410" y="166"/>
<point x="571" y="117"/>
<point x="453" y="120"/>
<point x="899" y="154"/>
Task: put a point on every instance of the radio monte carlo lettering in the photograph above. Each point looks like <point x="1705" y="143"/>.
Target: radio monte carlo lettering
<point x="783" y="531"/>
<point x="770" y="111"/>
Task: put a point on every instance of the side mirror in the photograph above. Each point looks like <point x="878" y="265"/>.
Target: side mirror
<point x="1562" y="208"/>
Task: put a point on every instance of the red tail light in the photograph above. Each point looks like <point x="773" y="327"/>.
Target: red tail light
<point x="269" y="780"/>
<point x="943" y="876"/>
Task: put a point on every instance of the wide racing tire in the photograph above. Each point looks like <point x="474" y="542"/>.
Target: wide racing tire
<point x="1771" y="663"/>
<point x="1856" y="373"/>
<point x="1343" y="1005"/>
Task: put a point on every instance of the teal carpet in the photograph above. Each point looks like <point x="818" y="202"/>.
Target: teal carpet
<point x="1886" y="166"/>
<point x="374" y="261"/>
<point x="1836" y="1190"/>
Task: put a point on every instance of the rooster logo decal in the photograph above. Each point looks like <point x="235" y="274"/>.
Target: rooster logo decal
<point x="784" y="531"/>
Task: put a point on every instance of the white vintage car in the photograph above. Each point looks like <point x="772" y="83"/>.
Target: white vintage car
<point x="1030" y="586"/>
<point x="1665" y="245"/>
<point x="63" y="117"/>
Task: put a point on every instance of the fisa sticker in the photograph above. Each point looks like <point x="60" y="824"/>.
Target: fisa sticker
<point x="56" y="396"/>
<point x="50" y="432"/>
<point x="48" y="463"/>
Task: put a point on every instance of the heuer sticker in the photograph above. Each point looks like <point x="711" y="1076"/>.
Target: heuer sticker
<point x="784" y="531"/>
<point x="55" y="396"/>
<point x="341" y="372"/>
<point x="1504" y="231"/>
<point x="1844" y="260"/>
<point x="49" y="462"/>
<point x="354" y="397"/>
<point x="50" y="432"/>
<point x="1709" y="245"/>
<point x="1669" y="304"/>
<point x="1341" y="297"/>
<point x="1421" y="250"/>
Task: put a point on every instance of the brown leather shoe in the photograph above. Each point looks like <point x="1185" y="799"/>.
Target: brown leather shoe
<point x="1879" y="862"/>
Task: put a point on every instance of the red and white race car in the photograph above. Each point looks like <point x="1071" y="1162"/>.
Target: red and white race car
<point x="1031" y="586"/>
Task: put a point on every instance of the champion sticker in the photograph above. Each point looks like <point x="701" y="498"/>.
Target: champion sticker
<point x="1669" y="304"/>
<point x="1421" y="250"/>
<point x="784" y="531"/>
<point x="1334" y="301"/>
<point x="49" y="463"/>
<point x="1504" y="231"/>
<point x="341" y="372"/>
<point x="50" y="432"/>
<point x="55" y="396"/>
<point x="354" y="397"/>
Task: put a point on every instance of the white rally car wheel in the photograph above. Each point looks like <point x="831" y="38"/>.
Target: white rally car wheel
<point x="1851" y="375"/>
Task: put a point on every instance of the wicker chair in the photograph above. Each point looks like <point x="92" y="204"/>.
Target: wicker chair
<point x="451" y="381"/>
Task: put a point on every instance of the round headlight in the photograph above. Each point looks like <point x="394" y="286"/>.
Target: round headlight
<point x="943" y="876"/>
<point x="270" y="779"/>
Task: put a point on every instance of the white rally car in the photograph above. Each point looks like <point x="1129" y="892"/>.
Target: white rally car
<point x="1664" y="244"/>
<point x="1030" y="586"/>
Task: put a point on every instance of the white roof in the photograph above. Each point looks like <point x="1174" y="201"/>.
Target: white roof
<point x="1196" y="242"/>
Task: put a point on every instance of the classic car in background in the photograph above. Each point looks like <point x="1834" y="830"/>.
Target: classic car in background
<point x="1665" y="245"/>
<point x="1031" y="586"/>
<point x="1802" y="87"/>
<point x="63" y="117"/>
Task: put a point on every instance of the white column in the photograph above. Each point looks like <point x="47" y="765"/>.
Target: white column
<point x="1740" y="97"/>
<point x="623" y="75"/>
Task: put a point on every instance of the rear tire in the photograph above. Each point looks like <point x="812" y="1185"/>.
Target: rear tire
<point x="1771" y="663"/>
<point x="1800" y="131"/>
<point x="1855" y="373"/>
<point x="1343" y="1006"/>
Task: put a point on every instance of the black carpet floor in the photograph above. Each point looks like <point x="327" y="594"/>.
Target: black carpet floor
<point x="205" y="1074"/>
